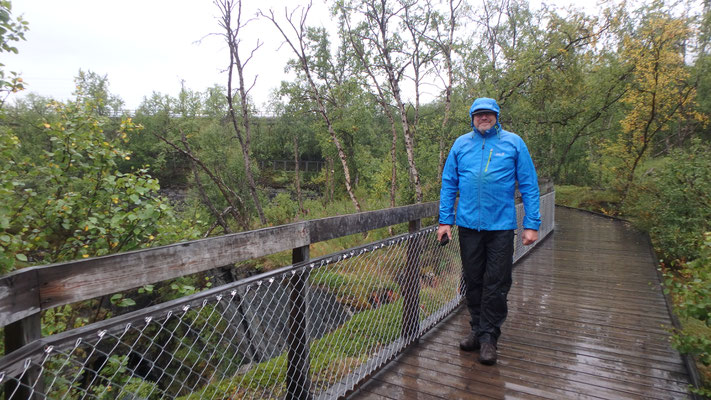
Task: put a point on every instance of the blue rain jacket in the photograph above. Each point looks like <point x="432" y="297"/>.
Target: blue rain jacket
<point x="484" y="169"/>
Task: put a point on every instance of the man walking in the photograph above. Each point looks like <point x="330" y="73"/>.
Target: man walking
<point x="483" y="166"/>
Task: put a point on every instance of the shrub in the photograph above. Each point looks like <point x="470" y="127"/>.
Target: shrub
<point x="673" y="202"/>
<point x="690" y="287"/>
<point x="71" y="201"/>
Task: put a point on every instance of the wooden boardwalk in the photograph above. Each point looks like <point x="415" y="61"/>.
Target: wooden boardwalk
<point x="587" y="320"/>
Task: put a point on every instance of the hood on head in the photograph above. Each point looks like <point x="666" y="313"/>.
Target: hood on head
<point x="484" y="104"/>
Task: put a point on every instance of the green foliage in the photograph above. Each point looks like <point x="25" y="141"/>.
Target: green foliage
<point x="11" y="30"/>
<point x="166" y="164"/>
<point x="658" y="93"/>
<point x="673" y="202"/>
<point x="690" y="286"/>
<point x="586" y="198"/>
<point x="70" y="201"/>
<point x="120" y="300"/>
<point x="116" y="383"/>
<point x="180" y="287"/>
<point x="113" y="381"/>
<point x="328" y="362"/>
<point x="281" y="209"/>
<point x="92" y="88"/>
<point x="60" y="319"/>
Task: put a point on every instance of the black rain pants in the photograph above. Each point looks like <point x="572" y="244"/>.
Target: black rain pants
<point x="487" y="262"/>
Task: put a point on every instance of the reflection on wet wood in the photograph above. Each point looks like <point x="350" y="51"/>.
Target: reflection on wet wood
<point x="587" y="320"/>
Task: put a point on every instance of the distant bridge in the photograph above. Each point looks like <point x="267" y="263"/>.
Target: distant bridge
<point x="290" y="165"/>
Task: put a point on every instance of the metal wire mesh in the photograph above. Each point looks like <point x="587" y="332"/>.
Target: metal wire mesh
<point x="312" y="330"/>
<point x="547" y="221"/>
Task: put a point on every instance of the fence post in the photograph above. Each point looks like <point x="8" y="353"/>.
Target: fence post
<point x="298" y="383"/>
<point x="18" y="334"/>
<point x="411" y="285"/>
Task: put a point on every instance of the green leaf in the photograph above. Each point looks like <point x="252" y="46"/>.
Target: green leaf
<point x="21" y="257"/>
<point x="126" y="302"/>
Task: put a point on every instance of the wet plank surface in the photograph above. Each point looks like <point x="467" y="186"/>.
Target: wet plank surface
<point x="587" y="320"/>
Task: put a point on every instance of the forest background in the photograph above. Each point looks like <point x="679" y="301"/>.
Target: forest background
<point x="614" y="108"/>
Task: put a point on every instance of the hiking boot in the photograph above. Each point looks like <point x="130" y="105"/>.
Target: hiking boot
<point x="470" y="343"/>
<point x="487" y="354"/>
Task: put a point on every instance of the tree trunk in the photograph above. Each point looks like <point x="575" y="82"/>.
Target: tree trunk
<point x="409" y="147"/>
<point x="445" y="121"/>
<point x="232" y="37"/>
<point x="218" y="216"/>
<point x="227" y="193"/>
<point x="297" y="175"/>
<point x="331" y="179"/>
<point x="394" y="83"/>
<point x="314" y="93"/>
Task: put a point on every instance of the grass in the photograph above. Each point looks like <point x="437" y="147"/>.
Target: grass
<point x="332" y="357"/>
<point x="598" y="200"/>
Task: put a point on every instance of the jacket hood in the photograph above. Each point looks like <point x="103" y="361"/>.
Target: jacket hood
<point x="484" y="103"/>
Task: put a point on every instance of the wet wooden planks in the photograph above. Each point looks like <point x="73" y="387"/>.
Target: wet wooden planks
<point x="587" y="320"/>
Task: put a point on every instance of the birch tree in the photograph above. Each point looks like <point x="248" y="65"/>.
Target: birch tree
<point x="380" y="93"/>
<point x="378" y="31"/>
<point x="232" y="25"/>
<point x="295" y="32"/>
<point x="444" y="26"/>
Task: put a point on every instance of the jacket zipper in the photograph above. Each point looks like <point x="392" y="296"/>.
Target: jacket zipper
<point x="489" y="160"/>
<point x="481" y="177"/>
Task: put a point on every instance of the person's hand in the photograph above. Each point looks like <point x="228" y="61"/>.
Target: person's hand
<point x="529" y="236"/>
<point x="444" y="230"/>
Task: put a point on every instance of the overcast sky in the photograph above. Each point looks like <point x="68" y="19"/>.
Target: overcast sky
<point x="144" y="46"/>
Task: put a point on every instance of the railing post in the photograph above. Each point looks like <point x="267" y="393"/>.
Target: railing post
<point x="18" y="334"/>
<point x="411" y="285"/>
<point x="298" y="383"/>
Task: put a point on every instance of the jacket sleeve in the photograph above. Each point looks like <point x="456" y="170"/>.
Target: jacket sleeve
<point x="528" y="186"/>
<point x="450" y="187"/>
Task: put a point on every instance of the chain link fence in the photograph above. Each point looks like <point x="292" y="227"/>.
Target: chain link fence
<point x="310" y="330"/>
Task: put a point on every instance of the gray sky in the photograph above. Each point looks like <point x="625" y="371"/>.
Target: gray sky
<point x="145" y="45"/>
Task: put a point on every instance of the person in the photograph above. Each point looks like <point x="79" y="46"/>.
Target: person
<point x="483" y="166"/>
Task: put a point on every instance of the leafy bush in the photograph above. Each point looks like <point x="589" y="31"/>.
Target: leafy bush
<point x="673" y="202"/>
<point x="690" y="288"/>
<point x="71" y="201"/>
<point x="281" y="210"/>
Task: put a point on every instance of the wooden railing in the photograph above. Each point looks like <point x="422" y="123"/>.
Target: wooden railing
<point x="27" y="292"/>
